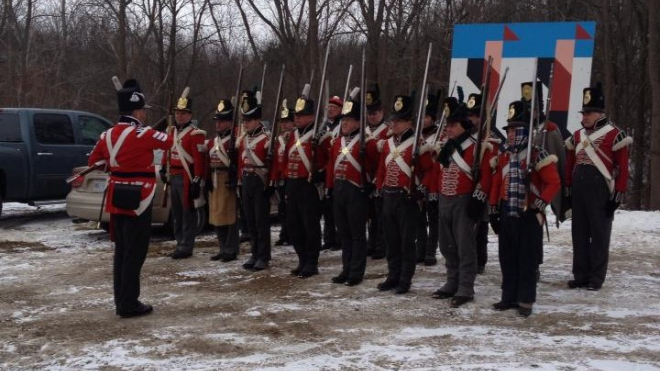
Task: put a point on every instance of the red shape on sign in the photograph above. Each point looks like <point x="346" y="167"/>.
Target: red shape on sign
<point x="509" y="35"/>
<point x="581" y="33"/>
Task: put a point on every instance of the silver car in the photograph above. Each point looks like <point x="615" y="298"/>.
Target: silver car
<point x="86" y="195"/>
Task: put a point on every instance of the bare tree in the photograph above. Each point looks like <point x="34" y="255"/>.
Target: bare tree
<point x="654" y="78"/>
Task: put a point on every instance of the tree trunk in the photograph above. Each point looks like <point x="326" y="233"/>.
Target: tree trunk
<point x="122" y="63"/>
<point x="313" y="38"/>
<point x="23" y="89"/>
<point x="609" y="83"/>
<point x="654" y="77"/>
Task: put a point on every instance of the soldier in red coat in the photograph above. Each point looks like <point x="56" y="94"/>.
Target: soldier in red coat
<point x="380" y="131"/>
<point x="462" y="200"/>
<point x="255" y="188"/>
<point x="596" y="177"/>
<point x="401" y="206"/>
<point x="222" y="191"/>
<point x="304" y="167"/>
<point x="427" y="229"/>
<point x="128" y="150"/>
<point x="550" y="139"/>
<point x="521" y="191"/>
<point x="278" y="178"/>
<point x="331" y="130"/>
<point x="185" y="162"/>
<point x="351" y="188"/>
<point x="474" y="115"/>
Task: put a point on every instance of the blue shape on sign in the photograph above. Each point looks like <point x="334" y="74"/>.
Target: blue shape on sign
<point x="534" y="39"/>
<point x="470" y="39"/>
<point x="584" y="48"/>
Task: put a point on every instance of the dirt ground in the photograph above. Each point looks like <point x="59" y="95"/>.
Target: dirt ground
<point x="56" y="311"/>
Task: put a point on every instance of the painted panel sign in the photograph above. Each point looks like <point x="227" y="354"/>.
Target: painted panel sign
<point x="567" y="46"/>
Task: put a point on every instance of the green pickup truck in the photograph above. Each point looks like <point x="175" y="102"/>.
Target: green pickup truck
<point x="40" y="147"/>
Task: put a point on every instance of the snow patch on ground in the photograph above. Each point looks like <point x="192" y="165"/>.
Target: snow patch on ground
<point x="57" y="311"/>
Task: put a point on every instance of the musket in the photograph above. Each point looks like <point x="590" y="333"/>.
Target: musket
<point x="233" y="156"/>
<point x="419" y="120"/>
<point x="548" y="102"/>
<point x="276" y="114"/>
<point x="311" y="79"/>
<point x="348" y="82"/>
<point x="170" y="121"/>
<point x="443" y="119"/>
<point x="319" y="105"/>
<point x="493" y="105"/>
<point x="363" y="115"/>
<point x="325" y="100"/>
<point x="263" y="78"/>
<point x="530" y="139"/>
<point x="116" y="83"/>
<point x="476" y="164"/>
<point x="97" y="165"/>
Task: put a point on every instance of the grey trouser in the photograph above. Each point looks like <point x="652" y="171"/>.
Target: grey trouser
<point x="184" y="220"/>
<point x="458" y="244"/>
<point x="228" y="238"/>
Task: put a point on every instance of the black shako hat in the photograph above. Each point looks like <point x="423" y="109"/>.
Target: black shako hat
<point x="304" y="105"/>
<point x="593" y="99"/>
<point x="519" y="115"/>
<point x="432" y="101"/>
<point x="451" y="112"/>
<point x="286" y="112"/>
<point x="251" y="106"/>
<point x="130" y="97"/>
<point x="526" y="94"/>
<point x="224" y="111"/>
<point x="402" y="108"/>
<point x="184" y="103"/>
<point x="474" y="104"/>
<point x="351" y="109"/>
<point x="372" y="98"/>
<point x="459" y="113"/>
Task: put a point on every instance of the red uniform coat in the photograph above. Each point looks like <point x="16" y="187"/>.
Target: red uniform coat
<point x="394" y="164"/>
<point x="190" y="139"/>
<point x="133" y="162"/>
<point x="609" y="144"/>
<point x="456" y="179"/>
<point x="252" y="153"/>
<point x="545" y="181"/>
<point x="345" y="155"/>
<point x="381" y="131"/>
<point x="217" y="149"/>
<point x="431" y="176"/>
<point x="298" y="161"/>
<point x="278" y="168"/>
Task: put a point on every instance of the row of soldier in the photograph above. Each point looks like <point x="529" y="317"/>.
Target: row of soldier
<point x="373" y="183"/>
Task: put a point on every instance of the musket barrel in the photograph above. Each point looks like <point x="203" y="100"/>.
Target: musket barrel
<point x="420" y="109"/>
<point x="348" y="82"/>
<point x="418" y="124"/>
<point x="319" y="103"/>
<point x="531" y="119"/>
<point x="274" y="126"/>
<point x="443" y="119"/>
